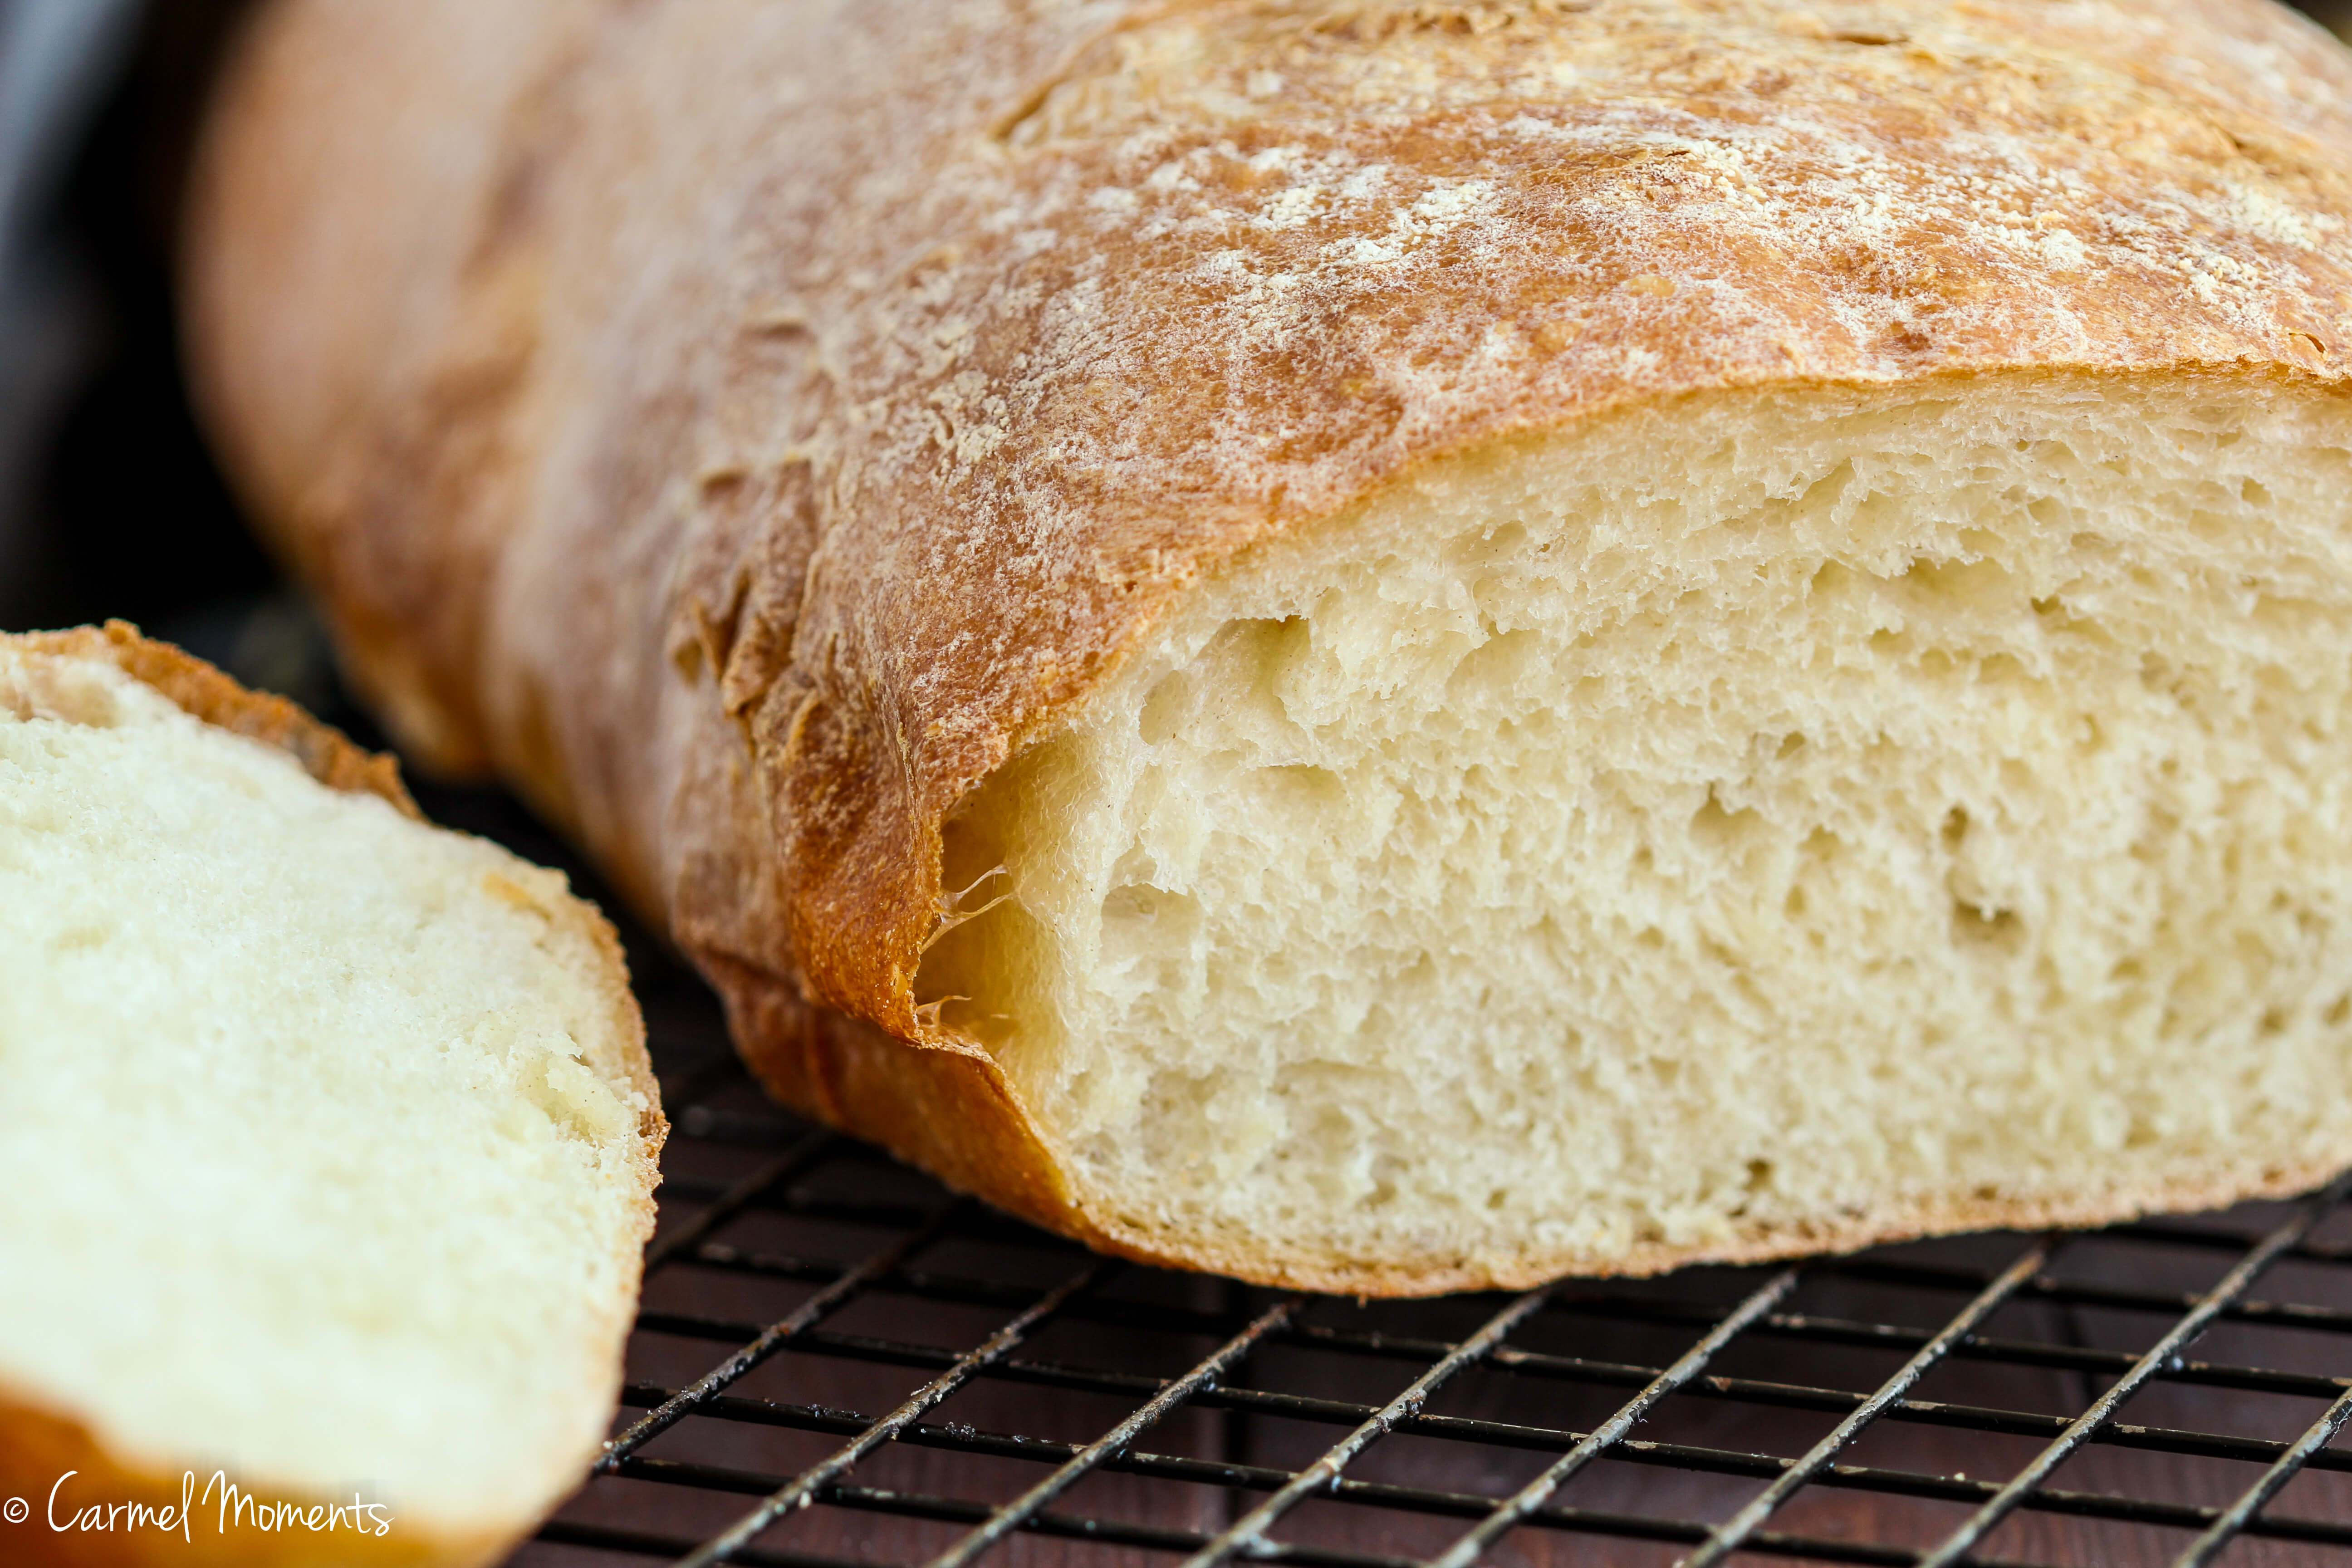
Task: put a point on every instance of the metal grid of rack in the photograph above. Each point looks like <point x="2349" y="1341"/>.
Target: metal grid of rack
<point x="839" y="1363"/>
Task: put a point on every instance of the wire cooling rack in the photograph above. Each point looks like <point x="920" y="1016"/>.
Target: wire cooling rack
<point x="837" y="1362"/>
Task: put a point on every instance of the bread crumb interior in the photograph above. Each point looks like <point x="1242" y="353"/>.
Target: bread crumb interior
<point x="320" y="1159"/>
<point x="1734" y="816"/>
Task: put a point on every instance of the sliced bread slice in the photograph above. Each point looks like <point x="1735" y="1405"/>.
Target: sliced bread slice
<point x="330" y="1142"/>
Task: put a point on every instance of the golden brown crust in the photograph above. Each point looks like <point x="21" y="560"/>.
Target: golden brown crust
<point x="324" y="752"/>
<point x="785" y="442"/>
<point x="41" y="1445"/>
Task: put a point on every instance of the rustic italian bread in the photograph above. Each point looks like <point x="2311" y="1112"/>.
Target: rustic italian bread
<point x="1379" y="645"/>
<point x="330" y="1146"/>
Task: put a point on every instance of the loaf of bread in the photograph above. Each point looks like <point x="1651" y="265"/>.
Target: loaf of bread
<point x="329" y="1147"/>
<point x="1376" y="643"/>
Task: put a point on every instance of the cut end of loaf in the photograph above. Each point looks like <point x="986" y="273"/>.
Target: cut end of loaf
<point x="330" y="1140"/>
<point x="1757" y="823"/>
